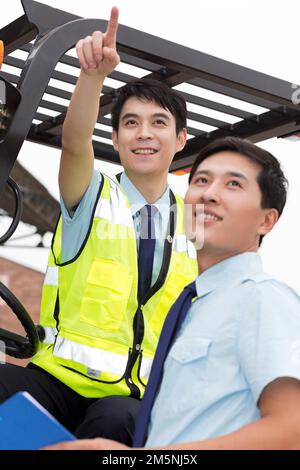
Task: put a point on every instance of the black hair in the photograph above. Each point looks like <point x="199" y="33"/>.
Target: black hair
<point x="151" y="90"/>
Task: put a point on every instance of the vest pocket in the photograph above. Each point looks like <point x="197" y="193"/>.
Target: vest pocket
<point x="106" y="294"/>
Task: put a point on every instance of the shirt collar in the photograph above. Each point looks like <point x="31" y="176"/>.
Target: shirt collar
<point x="227" y="271"/>
<point x="137" y="200"/>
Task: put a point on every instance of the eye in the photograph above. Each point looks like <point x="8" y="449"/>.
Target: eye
<point x="130" y="122"/>
<point x="201" y="180"/>
<point x="160" y="122"/>
<point x="235" y="183"/>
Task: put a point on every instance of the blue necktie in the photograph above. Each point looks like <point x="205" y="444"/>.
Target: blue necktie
<point x="146" y="249"/>
<point x="171" y="326"/>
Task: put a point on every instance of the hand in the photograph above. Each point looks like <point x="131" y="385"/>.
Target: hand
<point x="88" y="444"/>
<point x="97" y="54"/>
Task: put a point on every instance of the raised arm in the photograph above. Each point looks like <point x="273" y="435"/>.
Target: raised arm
<point x="98" y="57"/>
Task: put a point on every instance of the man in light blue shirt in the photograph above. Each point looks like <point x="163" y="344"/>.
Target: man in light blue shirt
<point x="231" y="377"/>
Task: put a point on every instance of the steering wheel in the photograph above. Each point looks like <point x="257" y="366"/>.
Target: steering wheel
<point x="17" y="345"/>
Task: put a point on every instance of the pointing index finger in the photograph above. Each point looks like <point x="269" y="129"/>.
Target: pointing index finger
<point x="111" y="32"/>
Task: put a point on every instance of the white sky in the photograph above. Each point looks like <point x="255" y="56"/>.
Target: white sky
<point x="258" y="34"/>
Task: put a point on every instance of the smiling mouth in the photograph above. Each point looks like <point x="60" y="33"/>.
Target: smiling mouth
<point x="144" y="151"/>
<point x="203" y="217"/>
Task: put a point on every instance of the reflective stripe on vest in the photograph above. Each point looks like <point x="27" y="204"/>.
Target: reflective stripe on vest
<point x="96" y="359"/>
<point x="119" y="215"/>
<point x="51" y="276"/>
<point x="115" y="208"/>
<point x="50" y="335"/>
<point x="181" y="245"/>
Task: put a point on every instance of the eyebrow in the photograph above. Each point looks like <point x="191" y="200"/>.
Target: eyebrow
<point x="155" y="115"/>
<point x="229" y="173"/>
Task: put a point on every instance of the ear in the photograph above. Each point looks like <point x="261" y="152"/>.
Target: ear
<point x="181" y="140"/>
<point x="114" y="138"/>
<point x="270" y="218"/>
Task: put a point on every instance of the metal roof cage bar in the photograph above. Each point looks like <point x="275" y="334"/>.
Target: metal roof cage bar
<point x="238" y="101"/>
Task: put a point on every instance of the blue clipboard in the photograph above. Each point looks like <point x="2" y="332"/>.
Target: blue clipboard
<point x="27" y="425"/>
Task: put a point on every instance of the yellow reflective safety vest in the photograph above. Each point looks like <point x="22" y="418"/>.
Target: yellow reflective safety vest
<point x="99" y="340"/>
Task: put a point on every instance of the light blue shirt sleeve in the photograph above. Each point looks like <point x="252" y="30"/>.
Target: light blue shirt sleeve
<point x="269" y="335"/>
<point x="75" y="228"/>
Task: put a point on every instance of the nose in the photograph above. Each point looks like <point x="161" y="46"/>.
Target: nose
<point x="144" y="132"/>
<point x="211" y="194"/>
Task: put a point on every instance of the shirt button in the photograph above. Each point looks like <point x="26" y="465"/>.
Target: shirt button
<point x="170" y="239"/>
<point x="130" y="381"/>
<point x="138" y="347"/>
